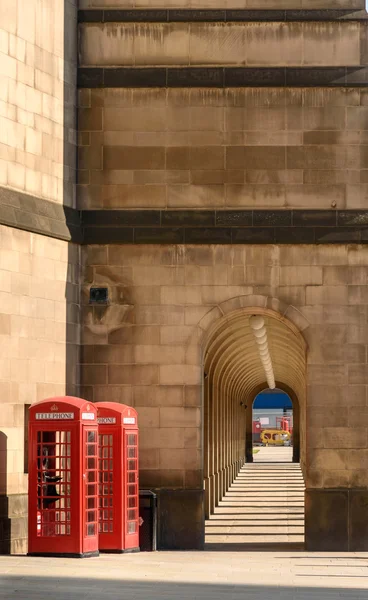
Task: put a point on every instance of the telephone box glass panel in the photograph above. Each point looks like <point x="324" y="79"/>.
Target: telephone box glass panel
<point x="91" y="482"/>
<point x="106" y="484"/>
<point x="132" y="482"/>
<point x="54" y="466"/>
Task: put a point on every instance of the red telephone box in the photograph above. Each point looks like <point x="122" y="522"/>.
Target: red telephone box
<point x="118" y="477"/>
<point x="63" y="471"/>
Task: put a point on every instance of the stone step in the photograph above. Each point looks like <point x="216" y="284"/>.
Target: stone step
<point x="264" y="505"/>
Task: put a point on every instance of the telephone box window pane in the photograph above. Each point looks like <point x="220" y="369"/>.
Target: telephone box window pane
<point x="91" y="463"/>
<point x="91" y="503"/>
<point x="91" y="450"/>
<point x="132" y="452"/>
<point x="132" y="477"/>
<point x="131" y="465"/>
<point x="91" y="529"/>
<point x="132" y="502"/>
<point x="131" y="514"/>
<point x="91" y="490"/>
<point x="132" y="527"/>
<point x="132" y="439"/>
<point x="92" y="475"/>
<point x="91" y="516"/>
<point x="131" y="490"/>
<point x="91" y="436"/>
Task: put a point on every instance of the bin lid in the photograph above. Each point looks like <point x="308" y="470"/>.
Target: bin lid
<point x="113" y="413"/>
<point x="147" y="493"/>
<point x="63" y="408"/>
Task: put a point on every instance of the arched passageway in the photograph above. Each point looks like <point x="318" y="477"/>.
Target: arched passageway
<point x="233" y="376"/>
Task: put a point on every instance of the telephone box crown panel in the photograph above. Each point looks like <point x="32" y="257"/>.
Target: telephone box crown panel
<point x="63" y="472"/>
<point x="63" y="408"/>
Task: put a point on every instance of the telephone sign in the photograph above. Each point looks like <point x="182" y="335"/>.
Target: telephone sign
<point x="54" y="416"/>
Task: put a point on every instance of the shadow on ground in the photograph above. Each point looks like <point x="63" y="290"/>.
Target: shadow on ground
<point x="74" y="588"/>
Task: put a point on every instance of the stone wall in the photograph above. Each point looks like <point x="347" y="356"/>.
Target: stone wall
<point x="257" y="44"/>
<point x="39" y="296"/>
<point x="144" y="349"/>
<point x="37" y="94"/>
<point x="233" y="148"/>
<point x="39" y="276"/>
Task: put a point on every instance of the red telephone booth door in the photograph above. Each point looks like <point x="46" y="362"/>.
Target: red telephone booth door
<point x="118" y="478"/>
<point x="62" y="506"/>
<point x="110" y="488"/>
<point x="54" y="511"/>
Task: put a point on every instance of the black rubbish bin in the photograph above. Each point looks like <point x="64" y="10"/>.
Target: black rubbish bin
<point x="148" y="513"/>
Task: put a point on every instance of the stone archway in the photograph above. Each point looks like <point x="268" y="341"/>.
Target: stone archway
<point x="233" y="374"/>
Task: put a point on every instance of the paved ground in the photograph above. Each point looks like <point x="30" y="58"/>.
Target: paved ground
<point x="276" y="454"/>
<point x="242" y="575"/>
<point x="264" y="505"/>
<point x="226" y="571"/>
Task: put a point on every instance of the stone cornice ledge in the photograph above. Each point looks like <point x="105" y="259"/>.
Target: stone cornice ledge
<point x="38" y="215"/>
<point x="158" y="15"/>
<point x="144" y="226"/>
<point x="221" y="77"/>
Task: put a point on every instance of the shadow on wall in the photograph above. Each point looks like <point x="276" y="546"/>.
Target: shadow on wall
<point x="22" y="588"/>
<point x="4" y="503"/>
<point x="72" y="321"/>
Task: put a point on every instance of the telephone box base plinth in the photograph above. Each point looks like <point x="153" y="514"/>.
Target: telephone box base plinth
<point x="65" y="555"/>
<point x="126" y="551"/>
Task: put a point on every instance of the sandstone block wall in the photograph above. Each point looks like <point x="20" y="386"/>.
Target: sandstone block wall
<point x="144" y="349"/>
<point x="257" y="44"/>
<point x="39" y="276"/>
<point x="38" y="56"/>
<point x="39" y="332"/>
<point x="233" y="148"/>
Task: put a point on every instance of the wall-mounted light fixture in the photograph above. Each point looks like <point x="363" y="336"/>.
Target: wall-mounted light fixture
<point x="257" y="325"/>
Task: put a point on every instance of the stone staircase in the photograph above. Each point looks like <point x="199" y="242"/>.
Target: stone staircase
<point x="264" y="505"/>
